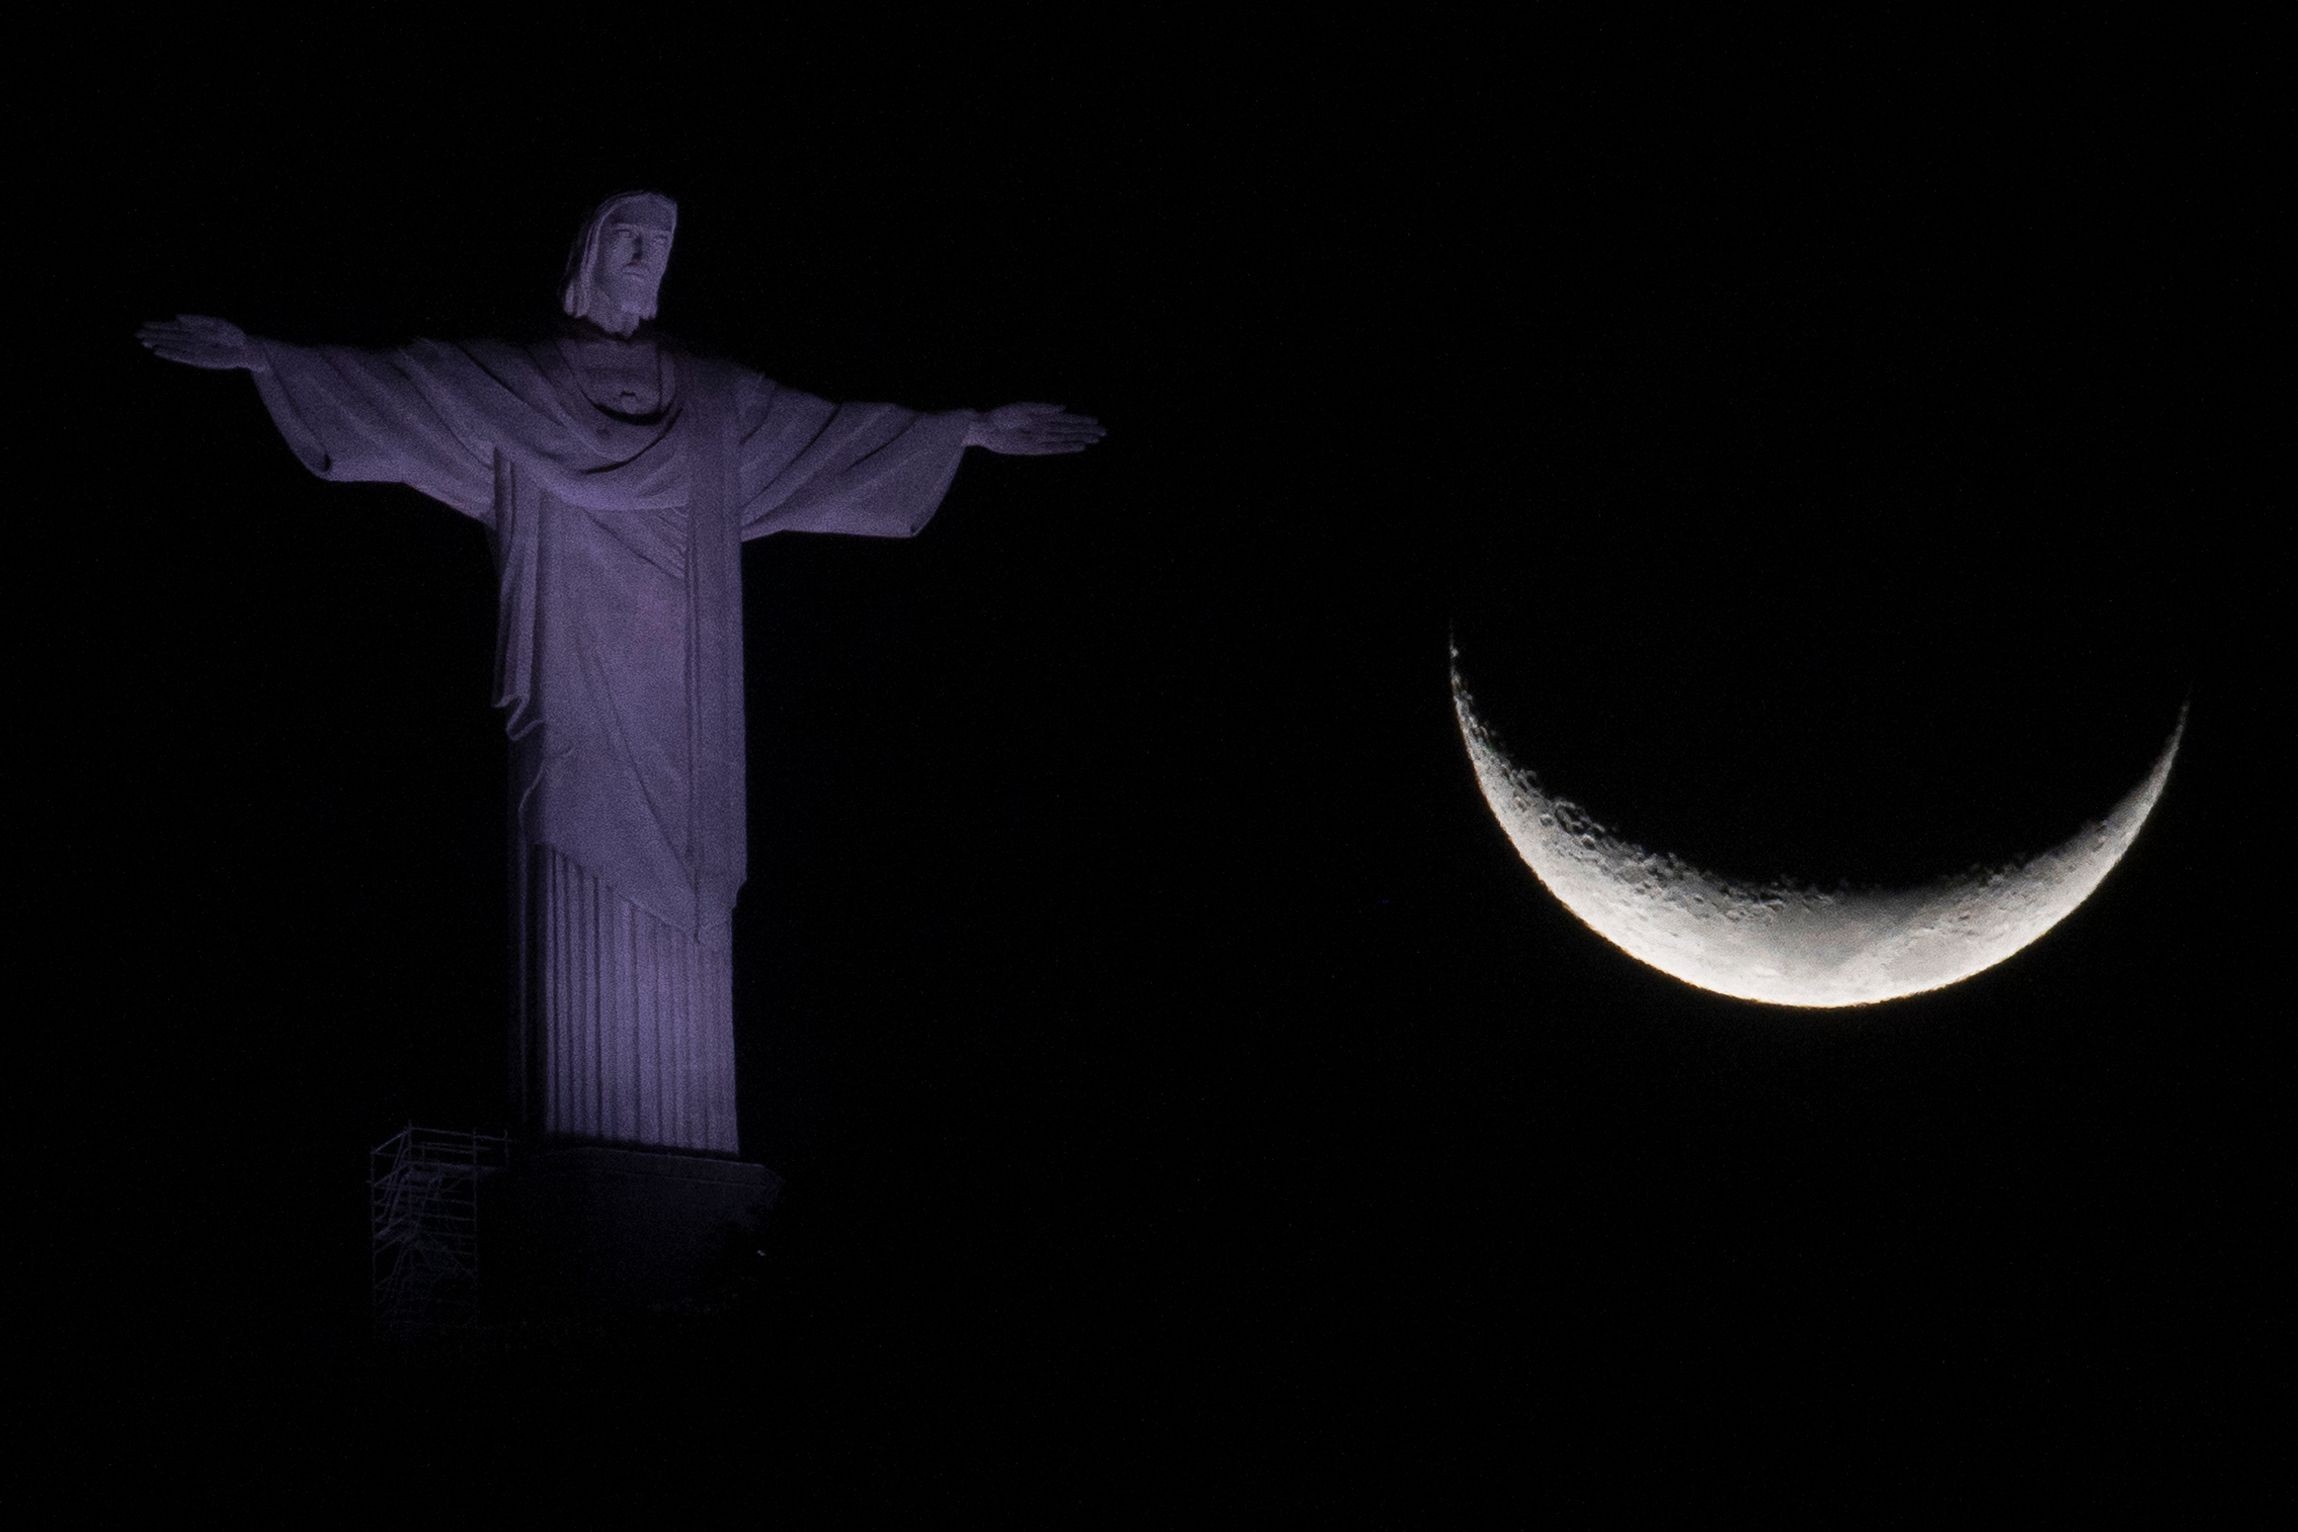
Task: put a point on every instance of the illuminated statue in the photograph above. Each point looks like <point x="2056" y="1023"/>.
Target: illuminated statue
<point x="619" y="474"/>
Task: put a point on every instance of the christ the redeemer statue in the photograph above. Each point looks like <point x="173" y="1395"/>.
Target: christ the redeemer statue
<point x="618" y="475"/>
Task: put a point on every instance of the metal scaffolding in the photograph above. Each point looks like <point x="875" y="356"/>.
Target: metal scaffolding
<point x="423" y="1206"/>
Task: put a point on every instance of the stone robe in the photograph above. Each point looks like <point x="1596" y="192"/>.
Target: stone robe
<point x="617" y="543"/>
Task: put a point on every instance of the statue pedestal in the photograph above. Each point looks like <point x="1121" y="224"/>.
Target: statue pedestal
<point x="579" y="1229"/>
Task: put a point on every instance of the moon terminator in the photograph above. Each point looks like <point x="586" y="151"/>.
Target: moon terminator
<point x="1781" y="941"/>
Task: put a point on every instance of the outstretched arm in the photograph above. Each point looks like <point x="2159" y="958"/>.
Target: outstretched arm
<point x="1033" y="430"/>
<point x="871" y="470"/>
<point x="389" y="416"/>
<point x="201" y="340"/>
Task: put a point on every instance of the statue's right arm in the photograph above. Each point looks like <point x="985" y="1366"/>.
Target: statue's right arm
<point x="349" y="414"/>
<point x="200" y="340"/>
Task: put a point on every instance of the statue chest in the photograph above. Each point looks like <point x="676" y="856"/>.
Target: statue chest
<point x="632" y="381"/>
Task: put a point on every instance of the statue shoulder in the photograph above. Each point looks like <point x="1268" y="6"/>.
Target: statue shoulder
<point x="487" y="350"/>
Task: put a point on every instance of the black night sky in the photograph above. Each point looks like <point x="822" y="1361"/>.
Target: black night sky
<point x="1838" y="455"/>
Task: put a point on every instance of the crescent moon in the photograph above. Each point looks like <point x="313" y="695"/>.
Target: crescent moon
<point x="1783" y="942"/>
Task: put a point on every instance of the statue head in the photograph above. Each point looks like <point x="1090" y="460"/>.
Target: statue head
<point x="615" y="269"/>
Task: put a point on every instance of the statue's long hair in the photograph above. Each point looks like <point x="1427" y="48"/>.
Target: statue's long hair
<point x="576" y="291"/>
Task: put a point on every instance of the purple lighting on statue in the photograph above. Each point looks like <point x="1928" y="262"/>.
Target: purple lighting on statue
<point x="618" y="474"/>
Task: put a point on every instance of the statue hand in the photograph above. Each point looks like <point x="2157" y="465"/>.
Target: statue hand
<point x="1033" y="430"/>
<point x="198" y="340"/>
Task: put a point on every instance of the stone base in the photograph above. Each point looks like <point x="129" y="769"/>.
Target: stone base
<point x="590" y="1229"/>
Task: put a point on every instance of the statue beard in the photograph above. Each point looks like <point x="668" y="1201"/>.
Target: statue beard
<point x="644" y="308"/>
<point x="598" y="308"/>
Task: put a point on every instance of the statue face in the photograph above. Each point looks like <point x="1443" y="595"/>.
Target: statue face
<point x="633" y="250"/>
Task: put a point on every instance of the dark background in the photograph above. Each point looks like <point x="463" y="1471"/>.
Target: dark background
<point x="1836" y="453"/>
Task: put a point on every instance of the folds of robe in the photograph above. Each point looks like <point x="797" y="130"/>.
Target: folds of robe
<point x="618" y="662"/>
<point x="637" y="1018"/>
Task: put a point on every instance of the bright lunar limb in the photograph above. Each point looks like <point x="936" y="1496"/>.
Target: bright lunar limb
<point x="1788" y="943"/>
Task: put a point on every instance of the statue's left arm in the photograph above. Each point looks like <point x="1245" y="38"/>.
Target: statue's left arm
<point x="872" y="470"/>
<point x="1033" y="430"/>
